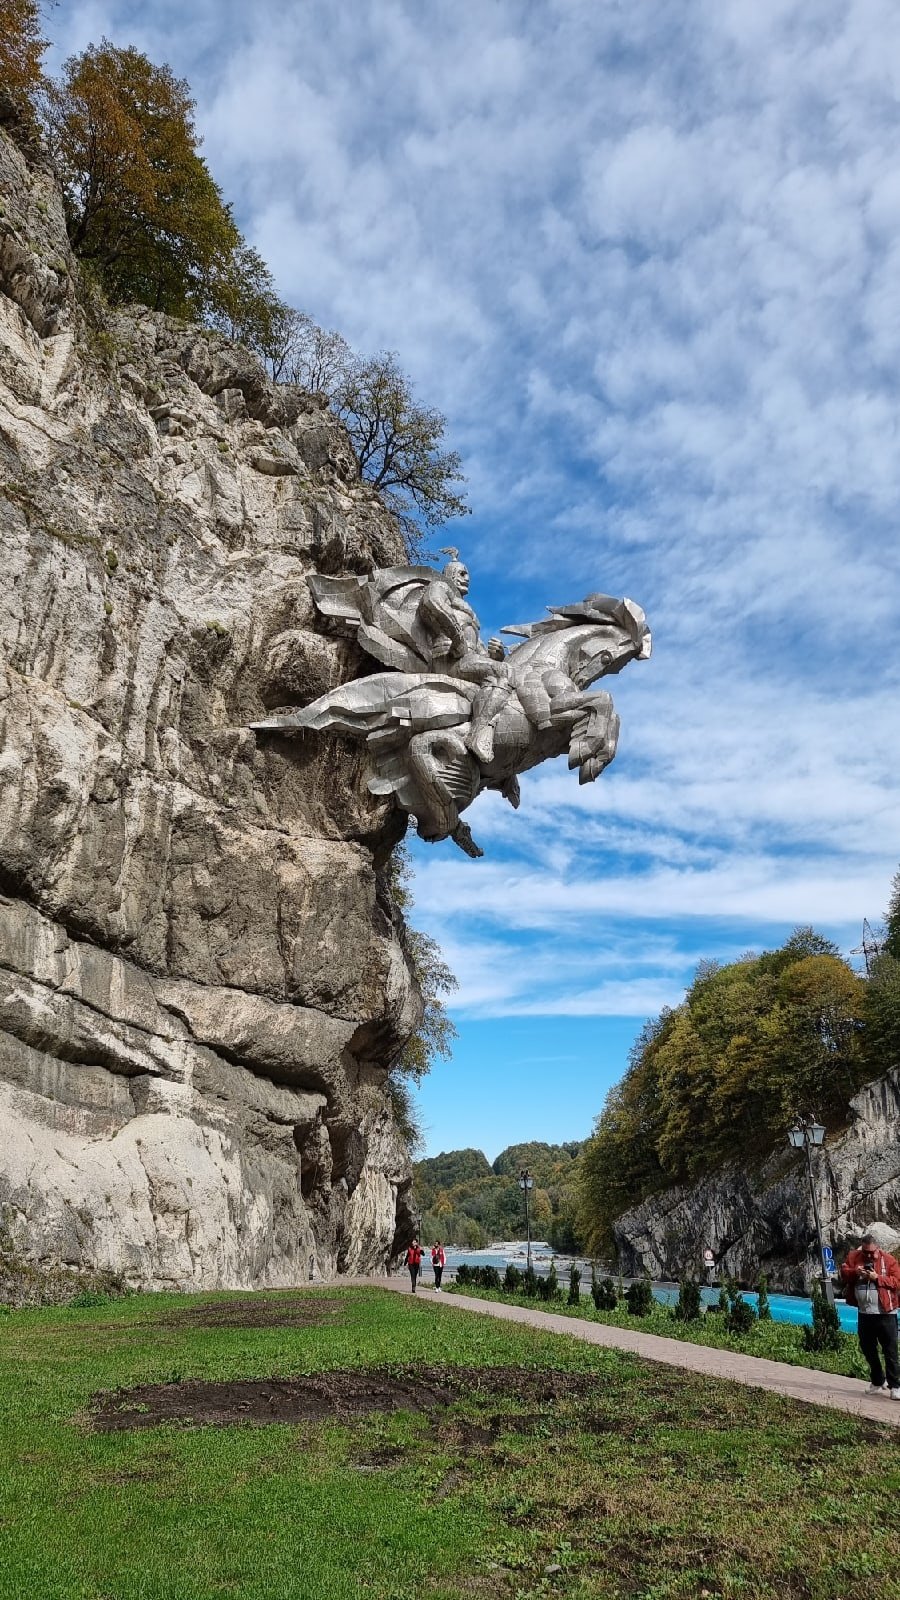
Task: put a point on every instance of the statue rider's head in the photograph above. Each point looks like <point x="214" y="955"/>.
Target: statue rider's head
<point x="457" y="574"/>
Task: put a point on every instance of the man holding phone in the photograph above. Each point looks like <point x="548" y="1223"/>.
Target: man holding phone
<point x="872" y="1281"/>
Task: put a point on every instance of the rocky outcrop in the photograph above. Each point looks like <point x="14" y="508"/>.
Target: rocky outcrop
<point x="762" y="1219"/>
<point x="202" y="983"/>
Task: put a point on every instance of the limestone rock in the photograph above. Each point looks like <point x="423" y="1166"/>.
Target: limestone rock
<point x="201" y="985"/>
<point x="762" y="1219"/>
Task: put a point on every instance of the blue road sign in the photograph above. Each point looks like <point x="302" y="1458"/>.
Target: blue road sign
<point x="828" y="1256"/>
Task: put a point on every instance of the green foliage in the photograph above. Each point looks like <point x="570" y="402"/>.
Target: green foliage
<point x="688" y="1306"/>
<point x="450" y="1168"/>
<point x="480" y="1277"/>
<point x="530" y="1281"/>
<point x="882" y="1013"/>
<point x="825" y="1331"/>
<point x="725" y="1072"/>
<point x="548" y="1285"/>
<point x="741" y="1315"/>
<point x="512" y="1279"/>
<point x="141" y="204"/>
<point x="433" y="1039"/>
<point x="891" y="945"/>
<point x="763" y="1309"/>
<point x="603" y="1292"/>
<point x="574" y="1296"/>
<point x="639" y="1298"/>
<point x="242" y="300"/>
<point x="406" y="1115"/>
<point x="460" y="1184"/>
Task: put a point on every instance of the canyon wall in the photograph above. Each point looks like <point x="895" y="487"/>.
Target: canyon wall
<point x="761" y="1219"/>
<point x="202" y="978"/>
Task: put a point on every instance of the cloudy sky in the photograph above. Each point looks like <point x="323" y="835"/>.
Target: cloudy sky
<point x="646" y="259"/>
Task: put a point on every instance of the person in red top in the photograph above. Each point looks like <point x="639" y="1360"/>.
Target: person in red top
<point x="438" y="1260"/>
<point x="414" y="1262"/>
<point x="872" y="1281"/>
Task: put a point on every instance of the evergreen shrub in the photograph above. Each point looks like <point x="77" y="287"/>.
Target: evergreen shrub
<point x="825" y="1331"/>
<point x="604" y="1294"/>
<point x="688" y="1306"/>
<point x="639" y="1298"/>
<point x="763" y="1309"/>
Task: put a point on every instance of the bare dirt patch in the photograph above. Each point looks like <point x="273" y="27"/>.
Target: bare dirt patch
<point x="327" y="1396"/>
<point x="334" y="1396"/>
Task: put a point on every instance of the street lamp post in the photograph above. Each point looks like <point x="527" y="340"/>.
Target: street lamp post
<point x="526" y="1182"/>
<point x="805" y="1133"/>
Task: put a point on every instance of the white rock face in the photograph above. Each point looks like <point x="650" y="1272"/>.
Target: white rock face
<point x="202" y="984"/>
<point x="763" y="1219"/>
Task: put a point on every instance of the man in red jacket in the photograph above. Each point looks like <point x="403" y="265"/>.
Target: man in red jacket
<point x="872" y="1280"/>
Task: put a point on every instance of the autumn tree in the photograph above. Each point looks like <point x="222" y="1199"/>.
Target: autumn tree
<point x="141" y="205"/>
<point x="21" y="52"/>
<point x="721" y="1076"/>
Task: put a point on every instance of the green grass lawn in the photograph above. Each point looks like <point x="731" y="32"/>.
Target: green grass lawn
<point x="776" y="1341"/>
<point x="559" y="1469"/>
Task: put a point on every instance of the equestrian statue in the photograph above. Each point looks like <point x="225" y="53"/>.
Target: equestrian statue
<point x="451" y="715"/>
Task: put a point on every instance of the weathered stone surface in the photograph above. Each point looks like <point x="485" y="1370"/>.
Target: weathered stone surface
<point x="201" y="989"/>
<point x="762" y="1219"/>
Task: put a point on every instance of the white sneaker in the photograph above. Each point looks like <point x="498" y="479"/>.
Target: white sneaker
<point x="879" y="1388"/>
<point x="895" y="1394"/>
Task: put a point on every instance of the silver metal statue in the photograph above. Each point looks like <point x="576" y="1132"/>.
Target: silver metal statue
<point x="453" y="716"/>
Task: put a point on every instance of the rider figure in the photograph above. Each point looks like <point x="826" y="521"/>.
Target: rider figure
<point x="446" y="615"/>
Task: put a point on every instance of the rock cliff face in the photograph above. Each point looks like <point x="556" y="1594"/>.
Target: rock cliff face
<point x="201" y="979"/>
<point x="763" y="1219"/>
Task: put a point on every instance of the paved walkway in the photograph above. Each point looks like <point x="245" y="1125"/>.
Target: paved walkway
<point x="799" y="1383"/>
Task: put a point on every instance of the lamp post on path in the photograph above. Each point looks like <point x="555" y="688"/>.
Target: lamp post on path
<point x="805" y="1133"/>
<point x="526" y="1182"/>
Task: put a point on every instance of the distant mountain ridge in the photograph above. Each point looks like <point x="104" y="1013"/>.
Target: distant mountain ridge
<point x="464" y="1199"/>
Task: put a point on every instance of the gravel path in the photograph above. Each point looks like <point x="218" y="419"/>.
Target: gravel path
<point x="799" y="1383"/>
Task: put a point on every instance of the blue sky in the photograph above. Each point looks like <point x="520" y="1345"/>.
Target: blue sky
<point x="646" y="259"/>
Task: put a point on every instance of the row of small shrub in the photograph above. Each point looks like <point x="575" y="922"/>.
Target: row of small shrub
<point x="738" y="1314"/>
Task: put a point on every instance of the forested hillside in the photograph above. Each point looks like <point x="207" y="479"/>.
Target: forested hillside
<point x="753" y="1045"/>
<point x="464" y="1200"/>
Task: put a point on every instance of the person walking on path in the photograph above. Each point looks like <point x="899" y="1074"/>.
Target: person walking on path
<point x="872" y="1280"/>
<point x="414" y="1262"/>
<point x="438" y="1260"/>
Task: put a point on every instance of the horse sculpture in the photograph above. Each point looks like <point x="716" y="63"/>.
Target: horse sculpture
<point x="452" y="716"/>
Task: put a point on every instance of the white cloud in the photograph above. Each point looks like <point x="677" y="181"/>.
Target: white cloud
<point x="645" y="257"/>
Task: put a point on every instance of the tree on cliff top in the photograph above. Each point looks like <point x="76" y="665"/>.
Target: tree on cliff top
<point x="398" y="442"/>
<point x="21" y="51"/>
<point x="141" y="205"/>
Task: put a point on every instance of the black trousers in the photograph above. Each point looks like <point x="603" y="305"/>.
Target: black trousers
<point x="413" y="1273"/>
<point x="877" y="1338"/>
<point x="438" y="1274"/>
